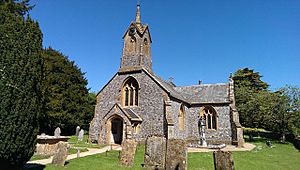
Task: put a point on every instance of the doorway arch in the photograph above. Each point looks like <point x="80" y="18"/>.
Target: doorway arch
<point x="115" y="130"/>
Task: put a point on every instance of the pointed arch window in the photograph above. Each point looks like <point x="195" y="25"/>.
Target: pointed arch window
<point x="181" y="118"/>
<point x="210" y="116"/>
<point x="130" y="91"/>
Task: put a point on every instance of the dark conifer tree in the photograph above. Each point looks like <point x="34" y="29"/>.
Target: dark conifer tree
<point x="20" y="77"/>
<point x="67" y="99"/>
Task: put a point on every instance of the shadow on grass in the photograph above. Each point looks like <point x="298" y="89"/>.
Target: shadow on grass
<point x="34" y="166"/>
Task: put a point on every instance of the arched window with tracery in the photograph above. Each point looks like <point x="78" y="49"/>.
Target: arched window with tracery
<point x="181" y="118"/>
<point x="210" y="116"/>
<point x="130" y="92"/>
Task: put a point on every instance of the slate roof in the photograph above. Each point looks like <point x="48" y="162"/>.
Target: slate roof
<point x="132" y="114"/>
<point x="205" y="93"/>
<point x="196" y="94"/>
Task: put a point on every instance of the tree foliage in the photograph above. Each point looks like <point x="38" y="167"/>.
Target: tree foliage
<point x="292" y="95"/>
<point x="248" y="85"/>
<point x="259" y="108"/>
<point x="67" y="99"/>
<point x="20" y="77"/>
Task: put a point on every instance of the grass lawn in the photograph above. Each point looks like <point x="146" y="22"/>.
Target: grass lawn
<point x="281" y="156"/>
<point x="83" y="144"/>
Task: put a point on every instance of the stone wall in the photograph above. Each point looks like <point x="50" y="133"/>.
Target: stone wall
<point x="150" y="107"/>
<point x="223" y="133"/>
<point x="46" y="149"/>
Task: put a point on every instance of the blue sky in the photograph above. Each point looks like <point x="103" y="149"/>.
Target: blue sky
<point x="192" y="39"/>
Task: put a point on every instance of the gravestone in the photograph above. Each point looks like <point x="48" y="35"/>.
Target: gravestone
<point x="269" y="144"/>
<point x="77" y="130"/>
<point x="223" y="160"/>
<point x="155" y="152"/>
<point x="80" y="135"/>
<point x="57" y="132"/>
<point x="176" y="157"/>
<point x="61" y="154"/>
<point x="128" y="152"/>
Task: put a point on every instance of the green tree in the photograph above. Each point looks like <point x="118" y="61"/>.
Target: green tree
<point x="67" y="98"/>
<point x="247" y="85"/>
<point x="292" y="94"/>
<point x="87" y="118"/>
<point x="20" y="77"/>
<point x="248" y="78"/>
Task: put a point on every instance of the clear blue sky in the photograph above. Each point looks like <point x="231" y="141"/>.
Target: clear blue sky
<point x="192" y="39"/>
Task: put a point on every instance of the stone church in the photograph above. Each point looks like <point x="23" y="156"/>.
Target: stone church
<point x="136" y="103"/>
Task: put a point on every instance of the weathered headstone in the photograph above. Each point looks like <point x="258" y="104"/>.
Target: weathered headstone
<point x="269" y="144"/>
<point x="176" y="157"/>
<point x="155" y="152"/>
<point x="61" y="154"/>
<point x="77" y="130"/>
<point x="128" y="152"/>
<point x="57" y="132"/>
<point x="80" y="135"/>
<point x="223" y="160"/>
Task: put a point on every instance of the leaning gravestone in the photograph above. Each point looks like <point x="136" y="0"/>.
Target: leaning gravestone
<point x="61" y="154"/>
<point x="57" y="132"/>
<point x="155" y="152"/>
<point x="223" y="160"/>
<point x="77" y="130"/>
<point x="128" y="152"/>
<point x="176" y="157"/>
<point x="80" y="135"/>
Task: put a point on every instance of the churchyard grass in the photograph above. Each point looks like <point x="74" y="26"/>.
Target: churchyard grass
<point x="281" y="156"/>
<point x="84" y="143"/>
<point x="38" y="157"/>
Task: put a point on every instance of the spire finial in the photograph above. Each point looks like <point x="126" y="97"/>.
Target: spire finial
<point x="138" y="13"/>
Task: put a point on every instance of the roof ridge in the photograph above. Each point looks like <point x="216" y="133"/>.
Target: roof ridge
<point x="199" y="85"/>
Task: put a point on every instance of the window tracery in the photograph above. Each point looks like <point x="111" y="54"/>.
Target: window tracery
<point x="210" y="116"/>
<point x="130" y="92"/>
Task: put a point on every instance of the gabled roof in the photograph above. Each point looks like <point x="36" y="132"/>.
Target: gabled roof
<point x="167" y="87"/>
<point x="131" y="115"/>
<point x="141" y="28"/>
<point x="205" y="93"/>
<point x="196" y="94"/>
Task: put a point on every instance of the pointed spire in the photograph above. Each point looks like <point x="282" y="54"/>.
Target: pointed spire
<point x="138" y="13"/>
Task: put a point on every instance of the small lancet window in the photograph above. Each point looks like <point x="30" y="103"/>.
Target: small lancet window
<point x="181" y="118"/>
<point x="130" y="92"/>
<point x="146" y="47"/>
<point x="210" y="116"/>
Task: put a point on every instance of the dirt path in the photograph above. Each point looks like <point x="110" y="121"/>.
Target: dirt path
<point x="91" y="151"/>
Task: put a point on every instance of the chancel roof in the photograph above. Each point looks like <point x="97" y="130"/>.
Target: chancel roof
<point x="205" y="93"/>
<point x="195" y="94"/>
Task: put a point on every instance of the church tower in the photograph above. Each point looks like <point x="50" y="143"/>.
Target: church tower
<point x="136" y="52"/>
